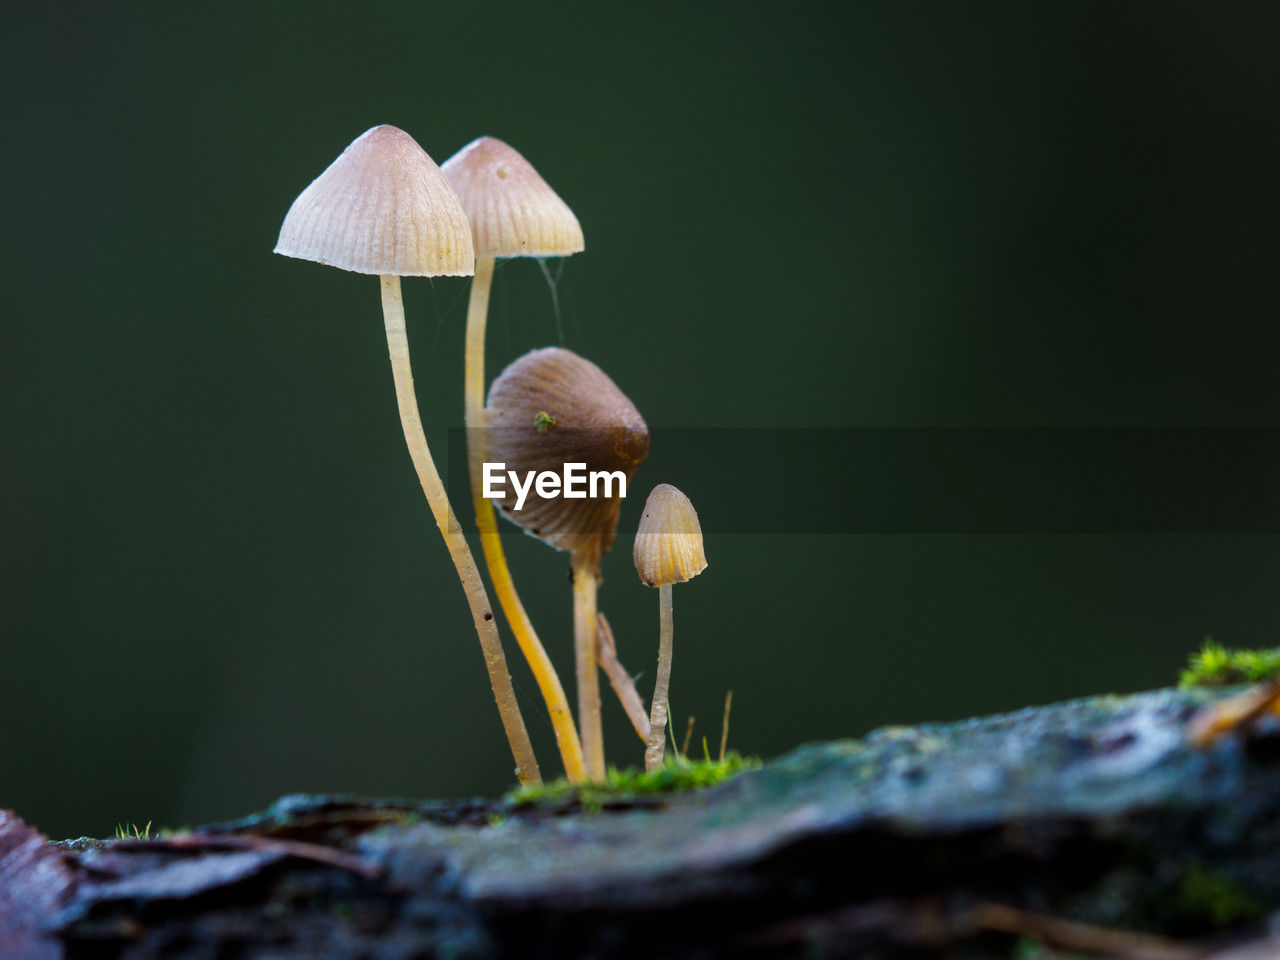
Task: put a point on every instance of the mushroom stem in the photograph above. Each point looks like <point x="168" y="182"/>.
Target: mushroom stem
<point x="495" y="557"/>
<point x="585" y="584"/>
<point x="658" y="711"/>
<point x="494" y="659"/>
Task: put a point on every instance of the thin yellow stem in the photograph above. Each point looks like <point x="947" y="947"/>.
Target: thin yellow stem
<point x="658" y="709"/>
<point x="491" y="543"/>
<point x="584" y="644"/>
<point x="494" y="659"/>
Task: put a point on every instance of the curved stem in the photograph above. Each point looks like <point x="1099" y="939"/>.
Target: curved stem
<point x="619" y="679"/>
<point x="491" y="543"/>
<point x="584" y="646"/>
<point x="658" y="711"/>
<point x="494" y="659"/>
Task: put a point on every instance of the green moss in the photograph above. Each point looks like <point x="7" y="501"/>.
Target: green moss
<point x="676" y="775"/>
<point x="1216" y="666"/>
<point x="1213" y="898"/>
<point x="543" y="421"/>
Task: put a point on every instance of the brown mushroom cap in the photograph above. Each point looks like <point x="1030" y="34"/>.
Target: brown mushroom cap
<point x="513" y="212"/>
<point x="552" y="407"/>
<point x="668" y="547"/>
<point x="382" y="207"/>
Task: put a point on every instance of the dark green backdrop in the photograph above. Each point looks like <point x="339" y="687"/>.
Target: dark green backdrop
<point x="219" y="581"/>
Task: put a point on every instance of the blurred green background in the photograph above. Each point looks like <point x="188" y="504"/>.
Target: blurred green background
<point x="219" y="580"/>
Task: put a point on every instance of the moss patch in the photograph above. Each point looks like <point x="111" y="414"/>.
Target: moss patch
<point x="677" y="775"/>
<point x="1216" y="666"/>
<point x="1214" y="899"/>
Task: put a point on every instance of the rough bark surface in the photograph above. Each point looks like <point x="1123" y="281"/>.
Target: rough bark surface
<point x="893" y="846"/>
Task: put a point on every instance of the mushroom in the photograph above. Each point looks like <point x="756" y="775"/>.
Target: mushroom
<point x="383" y="207"/>
<point x="513" y="213"/>
<point x="547" y="409"/>
<point x="668" y="549"/>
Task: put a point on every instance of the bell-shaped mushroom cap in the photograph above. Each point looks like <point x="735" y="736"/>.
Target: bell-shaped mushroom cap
<point x="513" y="212"/>
<point x="668" y="547"/>
<point x="382" y="207"/>
<point x="552" y="407"/>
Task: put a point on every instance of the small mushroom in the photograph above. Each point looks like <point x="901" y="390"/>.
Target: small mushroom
<point x="383" y="207"/>
<point x="668" y="550"/>
<point x="513" y="213"/>
<point x="594" y="424"/>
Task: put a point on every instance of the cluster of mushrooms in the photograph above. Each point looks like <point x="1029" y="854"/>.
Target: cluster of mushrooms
<point x="385" y="208"/>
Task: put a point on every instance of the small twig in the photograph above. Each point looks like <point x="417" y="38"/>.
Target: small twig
<point x="619" y="679"/>
<point x="1072" y="935"/>
<point x="1212" y="721"/>
<point x="688" y="735"/>
<point x="298" y="849"/>
<point x="724" y="724"/>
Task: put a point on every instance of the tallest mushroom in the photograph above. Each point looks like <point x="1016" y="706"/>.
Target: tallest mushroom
<point x="384" y="207"/>
<point x="513" y="213"/>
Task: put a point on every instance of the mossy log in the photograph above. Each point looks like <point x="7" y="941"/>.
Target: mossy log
<point x="934" y="840"/>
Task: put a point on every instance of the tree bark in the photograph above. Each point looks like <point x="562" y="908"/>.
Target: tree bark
<point x="937" y="840"/>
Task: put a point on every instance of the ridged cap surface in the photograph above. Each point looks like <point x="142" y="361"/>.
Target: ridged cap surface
<point x="668" y="547"/>
<point x="382" y="207"/>
<point x="513" y="212"/>
<point x="552" y="407"/>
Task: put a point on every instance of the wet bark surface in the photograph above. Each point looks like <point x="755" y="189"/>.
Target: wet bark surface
<point x="906" y="843"/>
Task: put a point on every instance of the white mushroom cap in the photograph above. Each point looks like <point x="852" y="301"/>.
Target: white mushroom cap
<point x="382" y="207"/>
<point x="668" y="547"/>
<point x="513" y="212"/>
